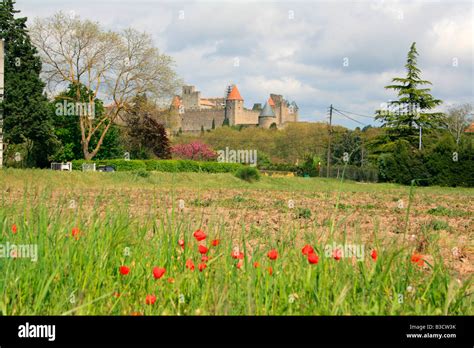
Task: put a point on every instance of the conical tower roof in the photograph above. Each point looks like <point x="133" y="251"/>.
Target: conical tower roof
<point x="234" y="94"/>
<point x="267" y="111"/>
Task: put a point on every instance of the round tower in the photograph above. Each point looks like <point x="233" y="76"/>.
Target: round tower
<point x="234" y="105"/>
<point x="267" y="117"/>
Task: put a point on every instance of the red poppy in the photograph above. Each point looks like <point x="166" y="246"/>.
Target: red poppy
<point x="272" y="254"/>
<point x="116" y="294"/>
<point x="124" y="270"/>
<point x="204" y="258"/>
<point x="374" y="255"/>
<point x="337" y="254"/>
<point x="181" y="243"/>
<point x="418" y="259"/>
<point x="215" y="242"/>
<point x="313" y="258"/>
<point x="150" y="299"/>
<point x="237" y="255"/>
<point x="190" y="264"/>
<point x="270" y="270"/>
<point x="14" y="229"/>
<point x="239" y="264"/>
<point x="202" y="266"/>
<point x="256" y="264"/>
<point x="171" y="280"/>
<point x="203" y="249"/>
<point x="307" y="249"/>
<point x="199" y="235"/>
<point x="75" y="231"/>
<point x="158" y="272"/>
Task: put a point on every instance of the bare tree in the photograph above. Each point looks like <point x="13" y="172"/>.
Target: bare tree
<point x="457" y="119"/>
<point x="115" y="66"/>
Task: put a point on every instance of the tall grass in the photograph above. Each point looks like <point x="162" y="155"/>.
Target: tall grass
<point x="80" y="276"/>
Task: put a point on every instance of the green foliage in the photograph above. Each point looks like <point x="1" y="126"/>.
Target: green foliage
<point x="248" y="173"/>
<point x="164" y="165"/>
<point x="303" y="213"/>
<point x="27" y="116"/>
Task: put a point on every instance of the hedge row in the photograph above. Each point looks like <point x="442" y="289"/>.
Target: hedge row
<point x="163" y="165"/>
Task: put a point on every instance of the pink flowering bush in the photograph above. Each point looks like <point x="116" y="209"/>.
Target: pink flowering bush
<point x="194" y="151"/>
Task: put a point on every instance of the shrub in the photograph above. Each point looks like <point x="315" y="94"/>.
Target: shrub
<point x="248" y="174"/>
<point x="194" y="151"/>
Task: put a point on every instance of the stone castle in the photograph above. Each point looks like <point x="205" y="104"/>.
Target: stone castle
<point x="191" y="113"/>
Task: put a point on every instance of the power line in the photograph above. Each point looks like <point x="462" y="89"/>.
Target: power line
<point x="350" y="118"/>
<point x="353" y="113"/>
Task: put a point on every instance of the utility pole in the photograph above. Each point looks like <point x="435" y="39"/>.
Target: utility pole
<point x="329" y="142"/>
<point x="2" y="92"/>
<point x="419" y="143"/>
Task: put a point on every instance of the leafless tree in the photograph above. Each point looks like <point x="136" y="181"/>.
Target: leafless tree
<point x="115" y="66"/>
<point x="457" y="119"/>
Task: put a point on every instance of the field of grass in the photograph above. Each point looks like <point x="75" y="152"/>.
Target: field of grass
<point x="87" y="225"/>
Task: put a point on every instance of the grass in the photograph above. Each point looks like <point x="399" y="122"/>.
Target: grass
<point x="80" y="275"/>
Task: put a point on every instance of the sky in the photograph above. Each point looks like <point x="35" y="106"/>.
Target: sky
<point x="316" y="53"/>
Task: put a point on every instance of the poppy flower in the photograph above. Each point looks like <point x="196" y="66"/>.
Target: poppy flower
<point x="124" y="270"/>
<point x="337" y="254"/>
<point x="181" y="243"/>
<point x="190" y="264"/>
<point x="202" y="266"/>
<point x="158" y="272"/>
<point x="313" y="258"/>
<point x="14" y="229"/>
<point x="199" y="235"/>
<point x="239" y="264"/>
<point x="237" y="255"/>
<point x="256" y="264"/>
<point x="374" y="255"/>
<point x="203" y="249"/>
<point x="150" y="299"/>
<point x="418" y="259"/>
<point x="270" y="270"/>
<point x="204" y="258"/>
<point x="171" y="280"/>
<point x="215" y="242"/>
<point x="136" y="314"/>
<point x="307" y="249"/>
<point x="272" y="254"/>
<point x="75" y="231"/>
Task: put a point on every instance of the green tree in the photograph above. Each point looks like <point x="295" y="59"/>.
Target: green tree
<point x="27" y="115"/>
<point x="404" y="116"/>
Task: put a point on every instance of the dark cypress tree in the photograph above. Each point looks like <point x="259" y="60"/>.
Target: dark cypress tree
<point x="27" y="114"/>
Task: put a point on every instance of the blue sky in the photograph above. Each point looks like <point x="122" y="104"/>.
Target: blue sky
<point x="314" y="52"/>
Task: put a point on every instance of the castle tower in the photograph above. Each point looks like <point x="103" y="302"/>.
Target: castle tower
<point x="174" y="121"/>
<point x="234" y="105"/>
<point x="267" y="116"/>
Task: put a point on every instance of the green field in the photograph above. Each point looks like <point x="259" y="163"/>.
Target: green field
<point x="125" y="219"/>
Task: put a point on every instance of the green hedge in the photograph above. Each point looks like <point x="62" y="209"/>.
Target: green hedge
<point x="163" y="165"/>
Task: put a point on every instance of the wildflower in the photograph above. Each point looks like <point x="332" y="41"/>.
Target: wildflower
<point x="190" y="264"/>
<point x="203" y="249"/>
<point x="181" y="243"/>
<point x="150" y="299"/>
<point x="158" y="272"/>
<point x="337" y="254"/>
<point x="14" y="229"/>
<point x="270" y="270"/>
<point x="204" y="258"/>
<point x="171" y="280"/>
<point x="124" y="270"/>
<point x="117" y="294"/>
<point x="307" y="249"/>
<point x="272" y="254"/>
<point x="239" y="264"/>
<point x="374" y="255"/>
<point x="256" y="264"/>
<point x="75" y="232"/>
<point x="418" y="259"/>
<point x="215" y="242"/>
<point x="237" y="255"/>
<point x="202" y="266"/>
<point x="199" y="235"/>
<point x="409" y="288"/>
<point x="313" y="258"/>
